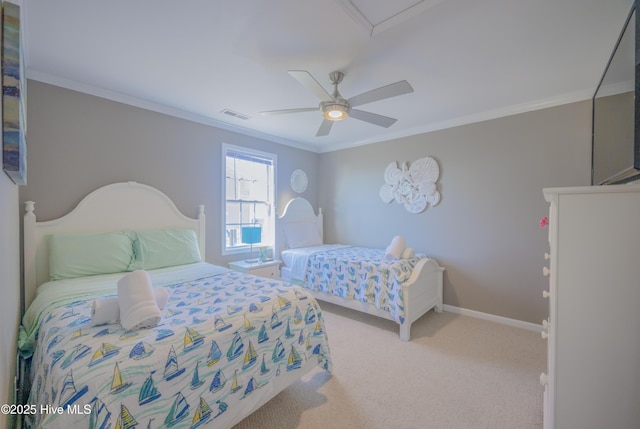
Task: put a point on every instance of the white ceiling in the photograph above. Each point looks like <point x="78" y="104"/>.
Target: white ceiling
<point x="467" y="60"/>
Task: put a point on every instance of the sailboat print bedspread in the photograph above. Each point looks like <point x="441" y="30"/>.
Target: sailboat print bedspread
<point x="225" y="343"/>
<point x="362" y="274"/>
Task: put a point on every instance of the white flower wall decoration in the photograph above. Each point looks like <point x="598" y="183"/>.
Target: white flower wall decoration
<point x="414" y="186"/>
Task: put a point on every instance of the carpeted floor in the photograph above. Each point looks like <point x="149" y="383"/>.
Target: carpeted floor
<point x="457" y="373"/>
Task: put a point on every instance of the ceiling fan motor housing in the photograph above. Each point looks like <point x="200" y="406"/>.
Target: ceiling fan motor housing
<point x="339" y="108"/>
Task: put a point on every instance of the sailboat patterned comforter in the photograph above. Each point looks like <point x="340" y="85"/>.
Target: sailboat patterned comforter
<point x="362" y="274"/>
<point x="225" y="343"/>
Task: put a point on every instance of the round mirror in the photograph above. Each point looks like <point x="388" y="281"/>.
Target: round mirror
<point x="299" y="181"/>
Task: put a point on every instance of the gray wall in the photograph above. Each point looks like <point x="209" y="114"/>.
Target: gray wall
<point x="485" y="230"/>
<point x="78" y="143"/>
<point x="9" y="289"/>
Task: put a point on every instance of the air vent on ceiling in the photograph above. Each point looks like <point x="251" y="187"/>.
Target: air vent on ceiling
<point x="235" y="114"/>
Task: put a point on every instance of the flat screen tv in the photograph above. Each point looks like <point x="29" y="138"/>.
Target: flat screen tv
<point x="616" y="112"/>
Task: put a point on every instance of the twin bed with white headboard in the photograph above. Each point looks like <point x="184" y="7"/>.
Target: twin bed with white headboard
<point x="358" y="278"/>
<point x="227" y="342"/>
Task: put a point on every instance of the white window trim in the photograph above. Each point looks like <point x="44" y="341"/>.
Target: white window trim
<point x="223" y="210"/>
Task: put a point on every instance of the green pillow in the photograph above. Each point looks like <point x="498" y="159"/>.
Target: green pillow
<point x="158" y="248"/>
<point x="80" y="255"/>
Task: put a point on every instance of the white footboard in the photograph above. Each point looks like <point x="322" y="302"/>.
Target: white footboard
<point x="422" y="292"/>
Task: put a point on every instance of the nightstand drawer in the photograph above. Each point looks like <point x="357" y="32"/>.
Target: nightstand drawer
<point x="270" y="269"/>
<point x="271" y="272"/>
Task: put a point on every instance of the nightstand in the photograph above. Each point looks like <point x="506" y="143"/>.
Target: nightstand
<point x="269" y="269"/>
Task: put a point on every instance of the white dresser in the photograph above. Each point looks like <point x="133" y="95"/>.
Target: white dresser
<point x="593" y="331"/>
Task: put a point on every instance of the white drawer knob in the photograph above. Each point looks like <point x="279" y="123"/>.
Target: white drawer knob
<point x="545" y="324"/>
<point x="543" y="379"/>
<point x="547" y="256"/>
<point x="544" y="335"/>
<point x="546" y="271"/>
<point x="546" y="294"/>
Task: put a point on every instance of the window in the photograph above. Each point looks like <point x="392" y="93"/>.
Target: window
<point x="249" y="194"/>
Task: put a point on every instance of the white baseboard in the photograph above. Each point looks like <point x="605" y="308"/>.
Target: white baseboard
<point x="493" y="318"/>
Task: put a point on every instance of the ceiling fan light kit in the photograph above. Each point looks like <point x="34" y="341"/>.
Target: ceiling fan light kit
<point x="335" y="108"/>
<point x="335" y="111"/>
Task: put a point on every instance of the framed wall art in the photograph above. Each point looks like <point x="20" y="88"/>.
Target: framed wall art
<point x="14" y="146"/>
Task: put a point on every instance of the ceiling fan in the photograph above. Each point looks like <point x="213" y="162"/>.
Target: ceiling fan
<point x="336" y="108"/>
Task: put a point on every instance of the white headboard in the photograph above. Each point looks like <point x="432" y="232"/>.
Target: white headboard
<point x="116" y="207"/>
<point x="297" y="210"/>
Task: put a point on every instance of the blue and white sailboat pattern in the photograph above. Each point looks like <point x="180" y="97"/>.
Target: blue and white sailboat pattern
<point x="177" y="375"/>
<point x="362" y="274"/>
<point x="148" y="391"/>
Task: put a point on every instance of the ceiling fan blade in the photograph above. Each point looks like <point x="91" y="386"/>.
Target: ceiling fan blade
<point x="372" y="118"/>
<point x="285" y="111"/>
<point x="324" y="129"/>
<point x="391" y="90"/>
<point x="305" y="78"/>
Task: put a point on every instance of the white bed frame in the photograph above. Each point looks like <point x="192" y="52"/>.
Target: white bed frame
<point x="116" y="207"/>
<point x="422" y="291"/>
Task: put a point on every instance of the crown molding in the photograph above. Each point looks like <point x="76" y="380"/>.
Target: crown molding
<point x="469" y="119"/>
<point x="373" y="28"/>
<point x="422" y="129"/>
<point x="157" y="107"/>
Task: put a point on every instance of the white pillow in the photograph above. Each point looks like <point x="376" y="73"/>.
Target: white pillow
<point x="303" y="234"/>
